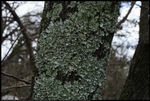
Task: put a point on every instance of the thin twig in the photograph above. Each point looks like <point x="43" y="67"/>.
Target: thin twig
<point x="12" y="87"/>
<point x="24" y="32"/>
<point x="28" y="44"/>
<point x="10" y="49"/>
<point x="14" y="77"/>
<point x="7" y="35"/>
<point x="16" y="48"/>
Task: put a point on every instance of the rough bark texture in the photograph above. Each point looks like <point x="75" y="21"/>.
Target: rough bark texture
<point x="45" y="19"/>
<point x="74" y="48"/>
<point x="137" y="83"/>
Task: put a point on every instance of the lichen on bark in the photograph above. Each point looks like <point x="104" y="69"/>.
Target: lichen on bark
<point x="73" y="50"/>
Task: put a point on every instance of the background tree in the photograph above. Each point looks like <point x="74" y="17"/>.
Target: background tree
<point x="73" y="49"/>
<point x="137" y="83"/>
<point x="16" y="72"/>
<point x="116" y="73"/>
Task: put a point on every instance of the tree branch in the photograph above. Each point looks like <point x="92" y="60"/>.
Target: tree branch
<point x="2" y="62"/>
<point x="12" y="87"/>
<point x="14" y="77"/>
<point x="23" y="30"/>
<point x="7" y="35"/>
<point x="125" y="17"/>
<point x="15" y="51"/>
<point x="28" y="43"/>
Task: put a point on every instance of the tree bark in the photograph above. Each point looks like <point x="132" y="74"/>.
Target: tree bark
<point x="73" y="49"/>
<point x="137" y="83"/>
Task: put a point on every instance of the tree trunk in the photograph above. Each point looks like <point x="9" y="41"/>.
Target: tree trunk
<point x="137" y="83"/>
<point x="73" y="49"/>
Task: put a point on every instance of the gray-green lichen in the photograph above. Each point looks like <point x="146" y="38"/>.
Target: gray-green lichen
<point x="70" y="63"/>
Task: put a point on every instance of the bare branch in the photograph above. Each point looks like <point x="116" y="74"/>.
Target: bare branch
<point x="10" y="49"/>
<point x="24" y="32"/>
<point x="12" y="87"/>
<point x="125" y="17"/>
<point x="16" y="50"/>
<point x="7" y="35"/>
<point x="28" y="44"/>
<point x="14" y="77"/>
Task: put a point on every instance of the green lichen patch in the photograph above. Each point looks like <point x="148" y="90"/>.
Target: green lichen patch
<point x="72" y="54"/>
